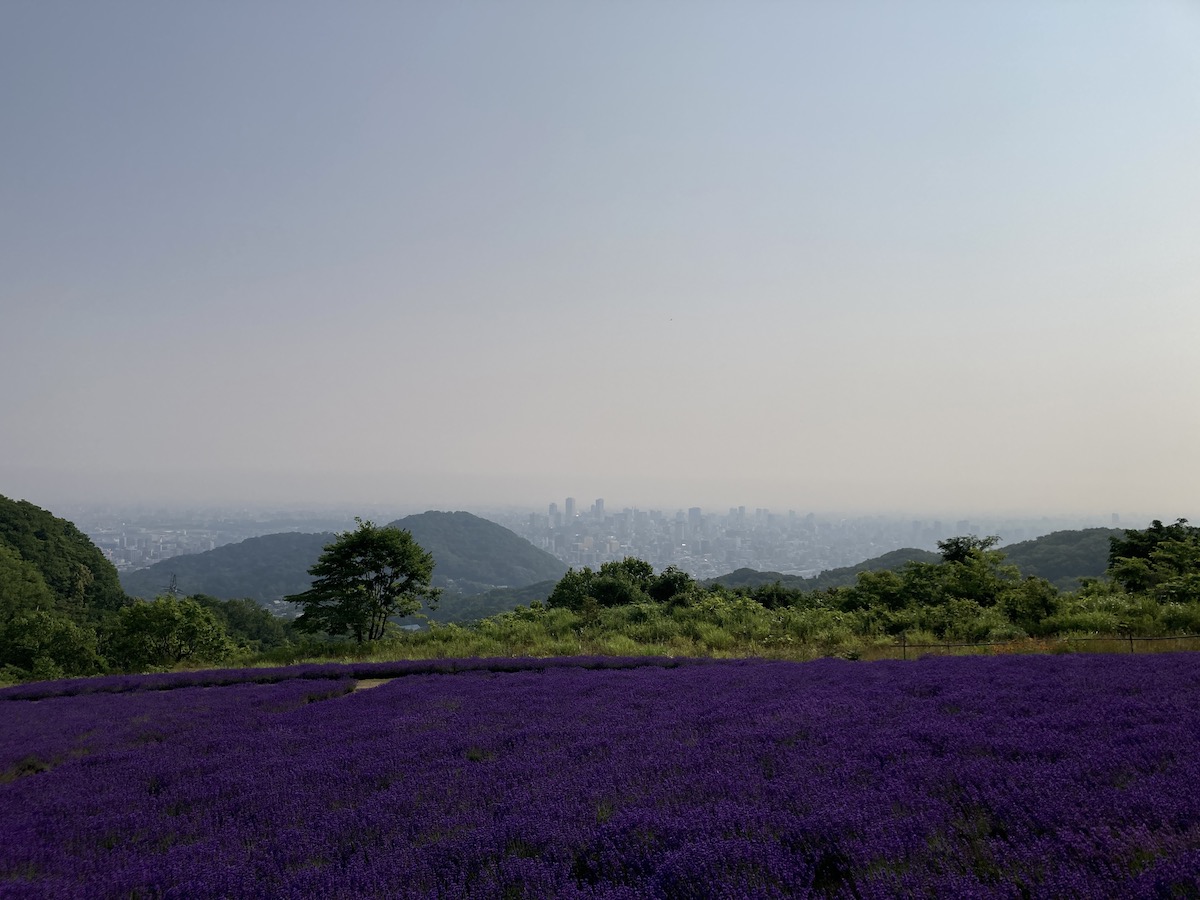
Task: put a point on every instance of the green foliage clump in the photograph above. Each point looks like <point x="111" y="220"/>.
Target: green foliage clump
<point x="620" y="583"/>
<point x="250" y="626"/>
<point x="73" y="568"/>
<point x="38" y="645"/>
<point x="1162" y="561"/>
<point x="167" y="631"/>
<point x="364" y="578"/>
<point x="1064" y="558"/>
<point x="56" y="590"/>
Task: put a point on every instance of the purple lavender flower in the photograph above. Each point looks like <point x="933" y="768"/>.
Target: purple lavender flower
<point x="1019" y="776"/>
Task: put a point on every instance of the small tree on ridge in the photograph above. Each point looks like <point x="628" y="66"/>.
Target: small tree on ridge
<point x="362" y="579"/>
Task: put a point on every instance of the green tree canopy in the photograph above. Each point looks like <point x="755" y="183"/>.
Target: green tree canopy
<point x="43" y="644"/>
<point x="1163" y="560"/>
<point x="971" y="594"/>
<point x="167" y="631"/>
<point x="620" y="583"/>
<point x="247" y="623"/>
<point x="965" y="547"/>
<point x="22" y="588"/>
<point x="83" y="582"/>
<point x="362" y="579"/>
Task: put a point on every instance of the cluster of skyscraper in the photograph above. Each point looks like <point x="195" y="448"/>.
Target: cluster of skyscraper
<point x="711" y="544"/>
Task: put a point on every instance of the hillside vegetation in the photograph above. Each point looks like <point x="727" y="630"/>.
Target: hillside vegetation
<point x="262" y="568"/>
<point x="1065" y="558"/>
<point x="62" y="610"/>
<point x="830" y="578"/>
<point x="72" y="568"/>
<point x="970" y="594"/>
<point x="52" y="624"/>
<point x="471" y="556"/>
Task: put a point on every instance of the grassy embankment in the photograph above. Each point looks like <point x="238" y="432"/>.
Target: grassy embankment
<point x="741" y="628"/>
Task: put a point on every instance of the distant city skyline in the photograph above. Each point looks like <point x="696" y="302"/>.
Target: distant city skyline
<point x="863" y="256"/>
<point x="704" y="543"/>
<point x="381" y="511"/>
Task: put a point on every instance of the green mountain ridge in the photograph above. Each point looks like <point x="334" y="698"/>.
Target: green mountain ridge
<point x="474" y="555"/>
<point x="830" y="578"/>
<point x="1063" y="558"/>
<point x="471" y="555"/>
<point x="264" y="568"/>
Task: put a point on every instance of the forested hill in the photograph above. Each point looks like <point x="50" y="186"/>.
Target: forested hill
<point x="830" y="578"/>
<point x="38" y="547"/>
<point x="263" y="568"/>
<point x="498" y="600"/>
<point x="471" y="555"/>
<point x="1062" y="558"/>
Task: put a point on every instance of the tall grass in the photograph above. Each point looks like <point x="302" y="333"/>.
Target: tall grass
<point x="719" y="629"/>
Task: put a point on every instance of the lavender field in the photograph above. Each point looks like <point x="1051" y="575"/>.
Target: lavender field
<point x="1056" y="776"/>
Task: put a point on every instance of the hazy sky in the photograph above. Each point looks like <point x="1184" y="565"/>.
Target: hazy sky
<point x="824" y="255"/>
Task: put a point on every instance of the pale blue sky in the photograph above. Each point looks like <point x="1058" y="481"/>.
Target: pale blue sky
<point x="852" y="255"/>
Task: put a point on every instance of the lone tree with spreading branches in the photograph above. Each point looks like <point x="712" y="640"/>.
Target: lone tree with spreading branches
<point x="364" y="578"/>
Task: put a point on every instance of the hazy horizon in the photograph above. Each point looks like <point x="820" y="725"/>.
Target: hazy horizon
<point x="373" y="506"/>
<point x="861" y="256"/>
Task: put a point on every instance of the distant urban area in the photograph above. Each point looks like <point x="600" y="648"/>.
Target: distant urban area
<point x="704" y="543"/>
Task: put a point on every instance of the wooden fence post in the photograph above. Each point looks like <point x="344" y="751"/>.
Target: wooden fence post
<point x="1125" y="629"/>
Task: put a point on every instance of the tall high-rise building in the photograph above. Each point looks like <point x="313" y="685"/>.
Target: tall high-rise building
<point x="598" y="508"/>
<point x="570" y="508"/>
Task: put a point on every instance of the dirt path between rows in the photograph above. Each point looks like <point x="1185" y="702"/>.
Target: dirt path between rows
<point x="368" y="683"/>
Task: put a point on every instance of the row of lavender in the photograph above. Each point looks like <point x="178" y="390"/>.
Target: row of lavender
<point x="166" y="681"/>
<point x="1065" y="776"/>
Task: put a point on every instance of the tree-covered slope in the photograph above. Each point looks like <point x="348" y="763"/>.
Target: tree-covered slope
<point x="1064" y="557"/>
<point x="473" y="555"/>
<point x="461" y="608"/>
<point x="264" y="568"/>
<point x="72" y="567"/>
<point x="830" y="578"/>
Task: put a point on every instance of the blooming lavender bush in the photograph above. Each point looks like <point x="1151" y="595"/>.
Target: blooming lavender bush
<point x="1069" y="776"/>
<point x="164" y="681"/>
